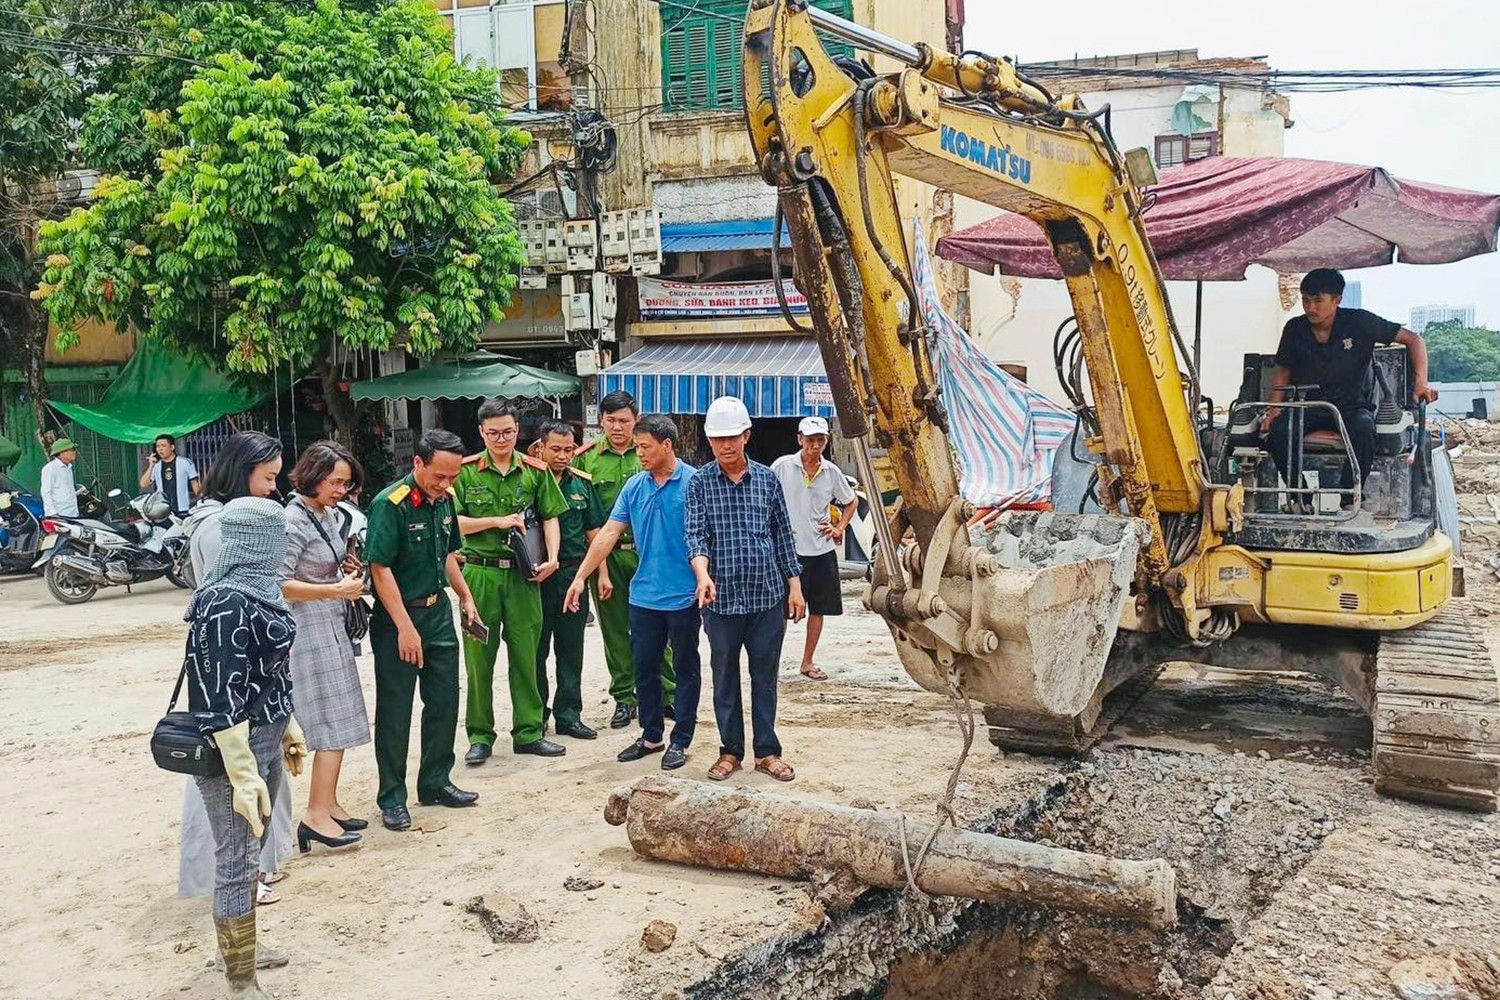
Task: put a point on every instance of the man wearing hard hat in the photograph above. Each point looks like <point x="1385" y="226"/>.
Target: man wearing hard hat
<point x="739" y="540"/>
<point x="59" y="492"/>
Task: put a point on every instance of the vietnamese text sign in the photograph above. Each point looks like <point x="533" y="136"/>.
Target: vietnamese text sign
<point x="661" y="299"/>
<point x="815" y="394"/>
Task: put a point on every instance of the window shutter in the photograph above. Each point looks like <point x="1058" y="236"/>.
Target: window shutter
<point x="699" y="69"/>
<point x="728" y="57"/>
<point x="701" y="53"/>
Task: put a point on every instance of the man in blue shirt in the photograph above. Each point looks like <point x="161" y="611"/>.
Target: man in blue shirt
<point x="739" y="538"/>
<point x="663" y="599"/>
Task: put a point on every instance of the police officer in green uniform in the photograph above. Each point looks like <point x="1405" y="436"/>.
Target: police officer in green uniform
<point x="412" y="544"/>
<point x="562" y="630"/>
<point x="493" y="492"/>
<point x="610" y="461"/>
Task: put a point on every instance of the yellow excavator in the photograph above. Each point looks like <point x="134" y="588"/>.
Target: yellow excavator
<point x="1051" y="618"/>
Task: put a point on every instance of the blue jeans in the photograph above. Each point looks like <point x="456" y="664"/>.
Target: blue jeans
<point x="236" y="849"/>
<point x="650" y="632"/>
<point x="759" y="635"/>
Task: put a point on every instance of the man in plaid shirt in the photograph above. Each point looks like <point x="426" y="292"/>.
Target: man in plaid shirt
<point x="739" y="540"/>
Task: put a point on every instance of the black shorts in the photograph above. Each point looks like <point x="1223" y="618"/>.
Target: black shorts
<point x="821" y="585"/>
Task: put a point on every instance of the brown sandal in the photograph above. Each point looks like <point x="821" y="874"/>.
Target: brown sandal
<point x="776" y="768"/>
<point x="726" y="765"/>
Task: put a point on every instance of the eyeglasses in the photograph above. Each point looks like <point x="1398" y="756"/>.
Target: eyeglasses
<point x="498" y="435"/>
<point x="340" y="484"/>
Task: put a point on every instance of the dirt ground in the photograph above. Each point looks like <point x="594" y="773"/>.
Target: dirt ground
<point x="1296" y="880"/>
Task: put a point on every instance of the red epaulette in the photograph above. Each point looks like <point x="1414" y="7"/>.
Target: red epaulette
<point x="468" y="459"/>
<point x="535" y="463"/>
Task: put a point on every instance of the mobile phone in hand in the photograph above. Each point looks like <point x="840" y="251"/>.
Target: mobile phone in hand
<point x="478" y="630"/>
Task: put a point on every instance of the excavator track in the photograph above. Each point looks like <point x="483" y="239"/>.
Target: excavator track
<point x="1437" y="714"/>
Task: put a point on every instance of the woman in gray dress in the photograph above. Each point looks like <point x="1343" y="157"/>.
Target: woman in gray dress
<point x="318" y="579"/>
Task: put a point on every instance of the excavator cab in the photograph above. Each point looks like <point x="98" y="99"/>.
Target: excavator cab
<point x="1392" y="510"/>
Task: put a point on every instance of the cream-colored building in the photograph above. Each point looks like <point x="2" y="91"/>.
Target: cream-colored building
<point x="666" y="76"/>
<point x="1014" y="319"/>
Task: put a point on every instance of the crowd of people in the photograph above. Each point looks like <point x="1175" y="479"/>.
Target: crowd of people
<point x="523" y="540"/>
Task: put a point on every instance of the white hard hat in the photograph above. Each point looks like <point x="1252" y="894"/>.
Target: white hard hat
<point x="812" y="425"/>
<point x="727" y="417"/>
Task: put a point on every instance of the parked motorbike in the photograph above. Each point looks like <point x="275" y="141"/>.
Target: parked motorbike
<point x="81" y="555"/>
<point x="20" y="526"/>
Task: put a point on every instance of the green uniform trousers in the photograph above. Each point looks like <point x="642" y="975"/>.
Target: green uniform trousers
<point x="562" y="631"/>
<point x="396" y="683"/>
<point x="511" y="606"/>
<point x="614" y="623"/>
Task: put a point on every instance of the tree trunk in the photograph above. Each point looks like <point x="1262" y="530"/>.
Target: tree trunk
<point x="31" y="343"/>
<point x="341" y="409"/>
<point x="738" y="829"/>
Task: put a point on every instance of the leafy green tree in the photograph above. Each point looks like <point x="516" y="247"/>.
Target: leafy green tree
<point x="42" y="87"/>
<point x="1462" y="354"/>
<point x="296" y="177"/>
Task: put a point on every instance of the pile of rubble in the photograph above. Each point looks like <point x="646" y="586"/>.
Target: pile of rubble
<point x="1474" y="447"/>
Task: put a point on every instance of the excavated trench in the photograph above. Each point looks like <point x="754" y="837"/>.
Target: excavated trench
<point x="892" y="946"/>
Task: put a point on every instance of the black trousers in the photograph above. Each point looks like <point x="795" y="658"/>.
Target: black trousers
<point x="1358" y="423"/>
<point x="759" y="635"/>
<point x="651" y="633"/>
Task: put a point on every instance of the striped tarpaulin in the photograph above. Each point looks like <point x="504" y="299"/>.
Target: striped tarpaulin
<point x="775" y="376"/>
<point x="1004" y="432"/>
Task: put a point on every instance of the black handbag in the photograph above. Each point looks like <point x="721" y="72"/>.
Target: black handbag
<point x="177" y="744"/>
<point x="529" y="548"/>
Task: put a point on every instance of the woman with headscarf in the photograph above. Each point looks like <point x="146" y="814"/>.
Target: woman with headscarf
<point x="246" y="466"/>
<point x="240" y="692"/>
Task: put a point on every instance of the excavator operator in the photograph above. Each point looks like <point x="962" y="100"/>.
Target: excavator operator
<point x="1332" y="348"/>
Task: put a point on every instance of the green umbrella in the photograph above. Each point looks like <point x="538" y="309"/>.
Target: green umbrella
<point x="530" y="380"/>
<point x="448" y="381"/>
<point x="467" y="381"/>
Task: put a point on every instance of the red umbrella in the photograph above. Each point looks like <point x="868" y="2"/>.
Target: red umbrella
<point x="1214" y="217"/>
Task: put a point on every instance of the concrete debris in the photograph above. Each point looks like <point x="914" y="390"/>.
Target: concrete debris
<point x="577" y="883"/>
<point x="658" y="936"/>
<point x="1432" y="977"/>
<point x="504" y="919"/>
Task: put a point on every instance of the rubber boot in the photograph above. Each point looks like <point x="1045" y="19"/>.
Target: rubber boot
<point x="267" y="956"/>
<point x="237" y="947"/>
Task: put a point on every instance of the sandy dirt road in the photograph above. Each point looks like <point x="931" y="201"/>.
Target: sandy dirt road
<point x="1268" y="842"/>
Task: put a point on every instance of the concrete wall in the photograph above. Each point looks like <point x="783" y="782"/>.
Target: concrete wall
<point x="1238" y="317"/>
<point x="98" y="344"/>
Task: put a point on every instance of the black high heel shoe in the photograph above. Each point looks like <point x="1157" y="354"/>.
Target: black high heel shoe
<point x="306" y="835"/>
<point x="352" y="825"/>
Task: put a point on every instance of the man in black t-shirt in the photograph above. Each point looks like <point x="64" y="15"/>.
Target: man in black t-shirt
<point x="1333" y="349"/>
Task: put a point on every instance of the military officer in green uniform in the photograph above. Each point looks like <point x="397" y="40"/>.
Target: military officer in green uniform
<point x="610" y="461"/>
<point x="493" y="492"/>
<point x="412" y="544"/>
<point x="562" y="630"/>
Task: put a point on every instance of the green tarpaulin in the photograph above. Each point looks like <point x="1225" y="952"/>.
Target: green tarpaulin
<point x="460" y="381"/>
<point x="530" y="380"/>
<point x="9" y="451"/>
<point x="161" y="393"/>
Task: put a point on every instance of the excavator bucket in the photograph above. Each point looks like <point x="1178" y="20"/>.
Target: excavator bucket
<point x="1040" y="605"/>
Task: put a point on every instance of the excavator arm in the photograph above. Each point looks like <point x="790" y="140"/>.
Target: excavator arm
<point x="1024" y="616"/>
<point x="1024" y="621"/>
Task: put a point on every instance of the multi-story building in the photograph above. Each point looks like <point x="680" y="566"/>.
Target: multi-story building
<point x="698" y="318"/>
<point x="1424" y="316"/>
<point x="1014" y="319"/>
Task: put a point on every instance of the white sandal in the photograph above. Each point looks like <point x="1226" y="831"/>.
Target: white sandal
<point x="265" y="895"/>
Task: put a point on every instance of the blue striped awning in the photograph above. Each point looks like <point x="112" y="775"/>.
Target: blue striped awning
<point x="704" y="237"/>
<point x="775" y="376"/>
